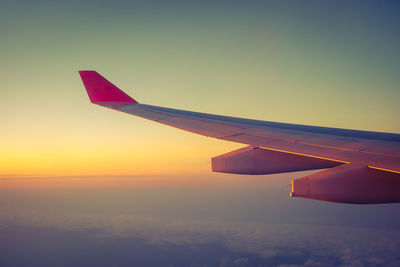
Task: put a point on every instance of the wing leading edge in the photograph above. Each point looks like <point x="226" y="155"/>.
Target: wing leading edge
<point x="283" y="147"/>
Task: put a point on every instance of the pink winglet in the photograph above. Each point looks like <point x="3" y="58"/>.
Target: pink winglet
<point x="100" y="89"/>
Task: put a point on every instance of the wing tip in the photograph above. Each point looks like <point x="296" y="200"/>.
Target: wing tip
<point x="100" y="90"/>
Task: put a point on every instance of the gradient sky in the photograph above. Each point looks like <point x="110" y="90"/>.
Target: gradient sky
<point x="81" y="185"/>
<point x="328" y="63"/>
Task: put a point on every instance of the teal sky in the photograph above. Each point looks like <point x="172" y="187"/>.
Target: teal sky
<point x="328" y="63"/>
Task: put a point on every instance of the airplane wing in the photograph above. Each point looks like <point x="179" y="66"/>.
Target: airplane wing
<point x="363" y="166"/>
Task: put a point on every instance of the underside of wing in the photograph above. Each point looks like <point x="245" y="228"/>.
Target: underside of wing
<point x="364" y="166"/>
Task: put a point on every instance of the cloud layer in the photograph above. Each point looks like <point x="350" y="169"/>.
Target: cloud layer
<point x="271" y="244"/>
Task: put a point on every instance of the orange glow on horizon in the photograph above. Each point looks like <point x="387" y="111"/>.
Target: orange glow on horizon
<point x="50" y="156"/>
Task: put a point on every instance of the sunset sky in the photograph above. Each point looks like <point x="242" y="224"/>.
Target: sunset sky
<point x="82" y="185"/>
<point x="325" y="63"/>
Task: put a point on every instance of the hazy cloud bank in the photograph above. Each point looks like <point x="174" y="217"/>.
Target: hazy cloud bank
<point x="273" y="243"/>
